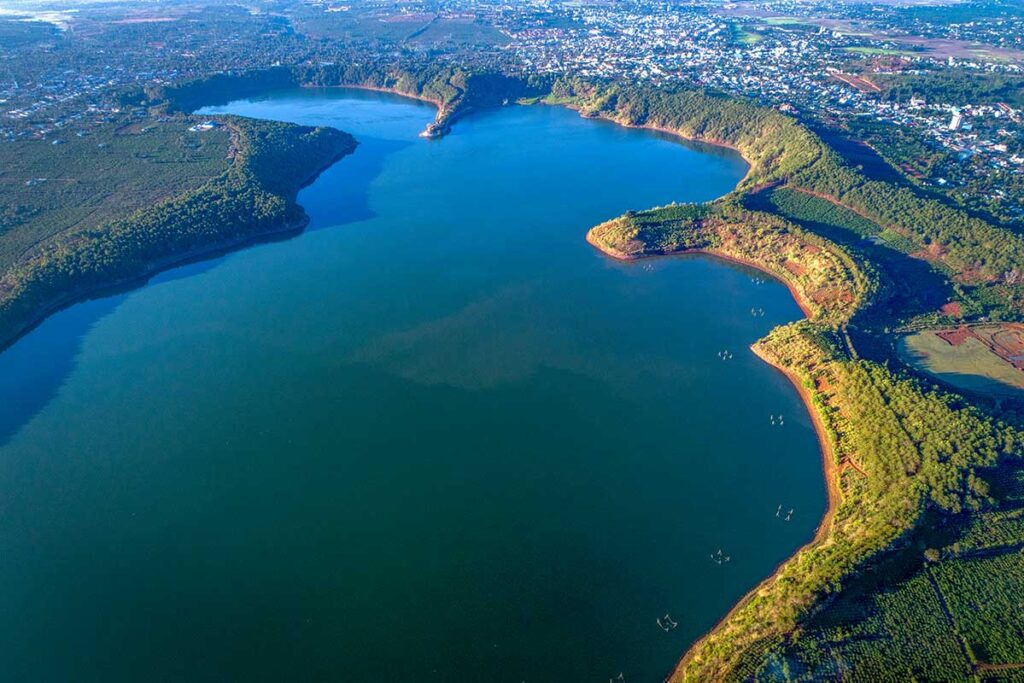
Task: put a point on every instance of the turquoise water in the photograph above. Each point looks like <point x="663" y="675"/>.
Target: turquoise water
<point x="436" y="437"/>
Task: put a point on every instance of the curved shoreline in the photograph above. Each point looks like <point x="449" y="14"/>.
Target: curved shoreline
<point x="151" y="270"/>
<point x="830" y="469"/>
<point x="798" y="297"/>
<point x="213" y="250"/>
<point x="157" y="266"/>
<point x="831" y="472"/>
<point x="374" y="88"/>
<point x="711" y="142"/>
<point x="442" y="127"/>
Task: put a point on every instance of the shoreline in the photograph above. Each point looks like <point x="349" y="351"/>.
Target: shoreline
<point x="447" y="123"/>
<point x="434" y="130"/>
<point x="153" y="268"/>
<point x="224" y="247"/>
<point x="711" y="142"/>
<point x="831" y="472"/>
<point x="689" y="138"/>
<point x="381" y="89"/>
<point x="830" y="469"/>
<point x="798" y="297"/>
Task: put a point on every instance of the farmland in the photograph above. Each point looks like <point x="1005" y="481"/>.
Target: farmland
<point x="947" y="606"/>
<point x="966" y="363"/>
<point x="47" y="189"/>
<point x="873" y="51"/>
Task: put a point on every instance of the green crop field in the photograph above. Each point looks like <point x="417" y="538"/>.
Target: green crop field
<point x="787" y="21"/>
<point x="459" y="32"/>
<point x="956" y="616"/>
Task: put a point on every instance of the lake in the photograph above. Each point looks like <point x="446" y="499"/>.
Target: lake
<point x="435" y="437"/>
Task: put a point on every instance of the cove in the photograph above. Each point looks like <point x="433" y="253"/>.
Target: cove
<point x="435" y="437"/>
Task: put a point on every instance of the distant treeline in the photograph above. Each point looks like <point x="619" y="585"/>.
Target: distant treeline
<point x="957" y="86"/>
<point x="780" y="150"/>
<point x="456" y="91"/>
<point x="218" y="89"/>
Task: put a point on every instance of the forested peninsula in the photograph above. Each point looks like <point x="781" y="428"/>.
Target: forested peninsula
<point x="252" y="197"/>
<point x="913" y="470"/>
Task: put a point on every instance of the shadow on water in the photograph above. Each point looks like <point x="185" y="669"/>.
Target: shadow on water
<point x="33" y="369"/>
<point x="344" y="195"/>
<point x="35" y="366"/>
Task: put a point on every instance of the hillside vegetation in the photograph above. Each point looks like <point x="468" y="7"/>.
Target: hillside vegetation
<point x="905" y="457"/>
<point x="254" y="195"/>
<point x="47" y="189"/>
<point x="984" y="258"/>
<point x="898" y="448"/>
<point x="829" y="282"/>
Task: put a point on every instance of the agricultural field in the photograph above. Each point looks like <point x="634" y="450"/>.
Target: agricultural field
<point x="999" y="527"/>
<point x="421" y="29"/>
<point x="949" y="606"/>
<point x="741" y="35"/>
<point x="896" y="633"/>
<point x="48" y="187"/>
<point x="357" y="26"/>
<point x="978" y="360"/>
<point x="17" y="33"/>
<point x="987" y="613"/>
<point x="875" y="51"/>
<point x="458" y="31"/>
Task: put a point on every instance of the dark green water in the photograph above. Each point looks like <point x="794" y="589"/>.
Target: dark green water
<point x="437" y="437"/>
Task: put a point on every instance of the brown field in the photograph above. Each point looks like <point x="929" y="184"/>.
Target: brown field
<point x="858" y="82"/>
<point x="416" y="18"/>
<point x="984" y="358"/>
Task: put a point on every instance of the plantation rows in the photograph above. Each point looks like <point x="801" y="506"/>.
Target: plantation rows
<point x="985" y="596"/>
<point x="909" y="287"/>
<point x="897" y="635"/>
<point x="991" y="530"/>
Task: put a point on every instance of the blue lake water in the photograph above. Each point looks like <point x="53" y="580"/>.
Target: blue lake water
<point x="435" y="437"/>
